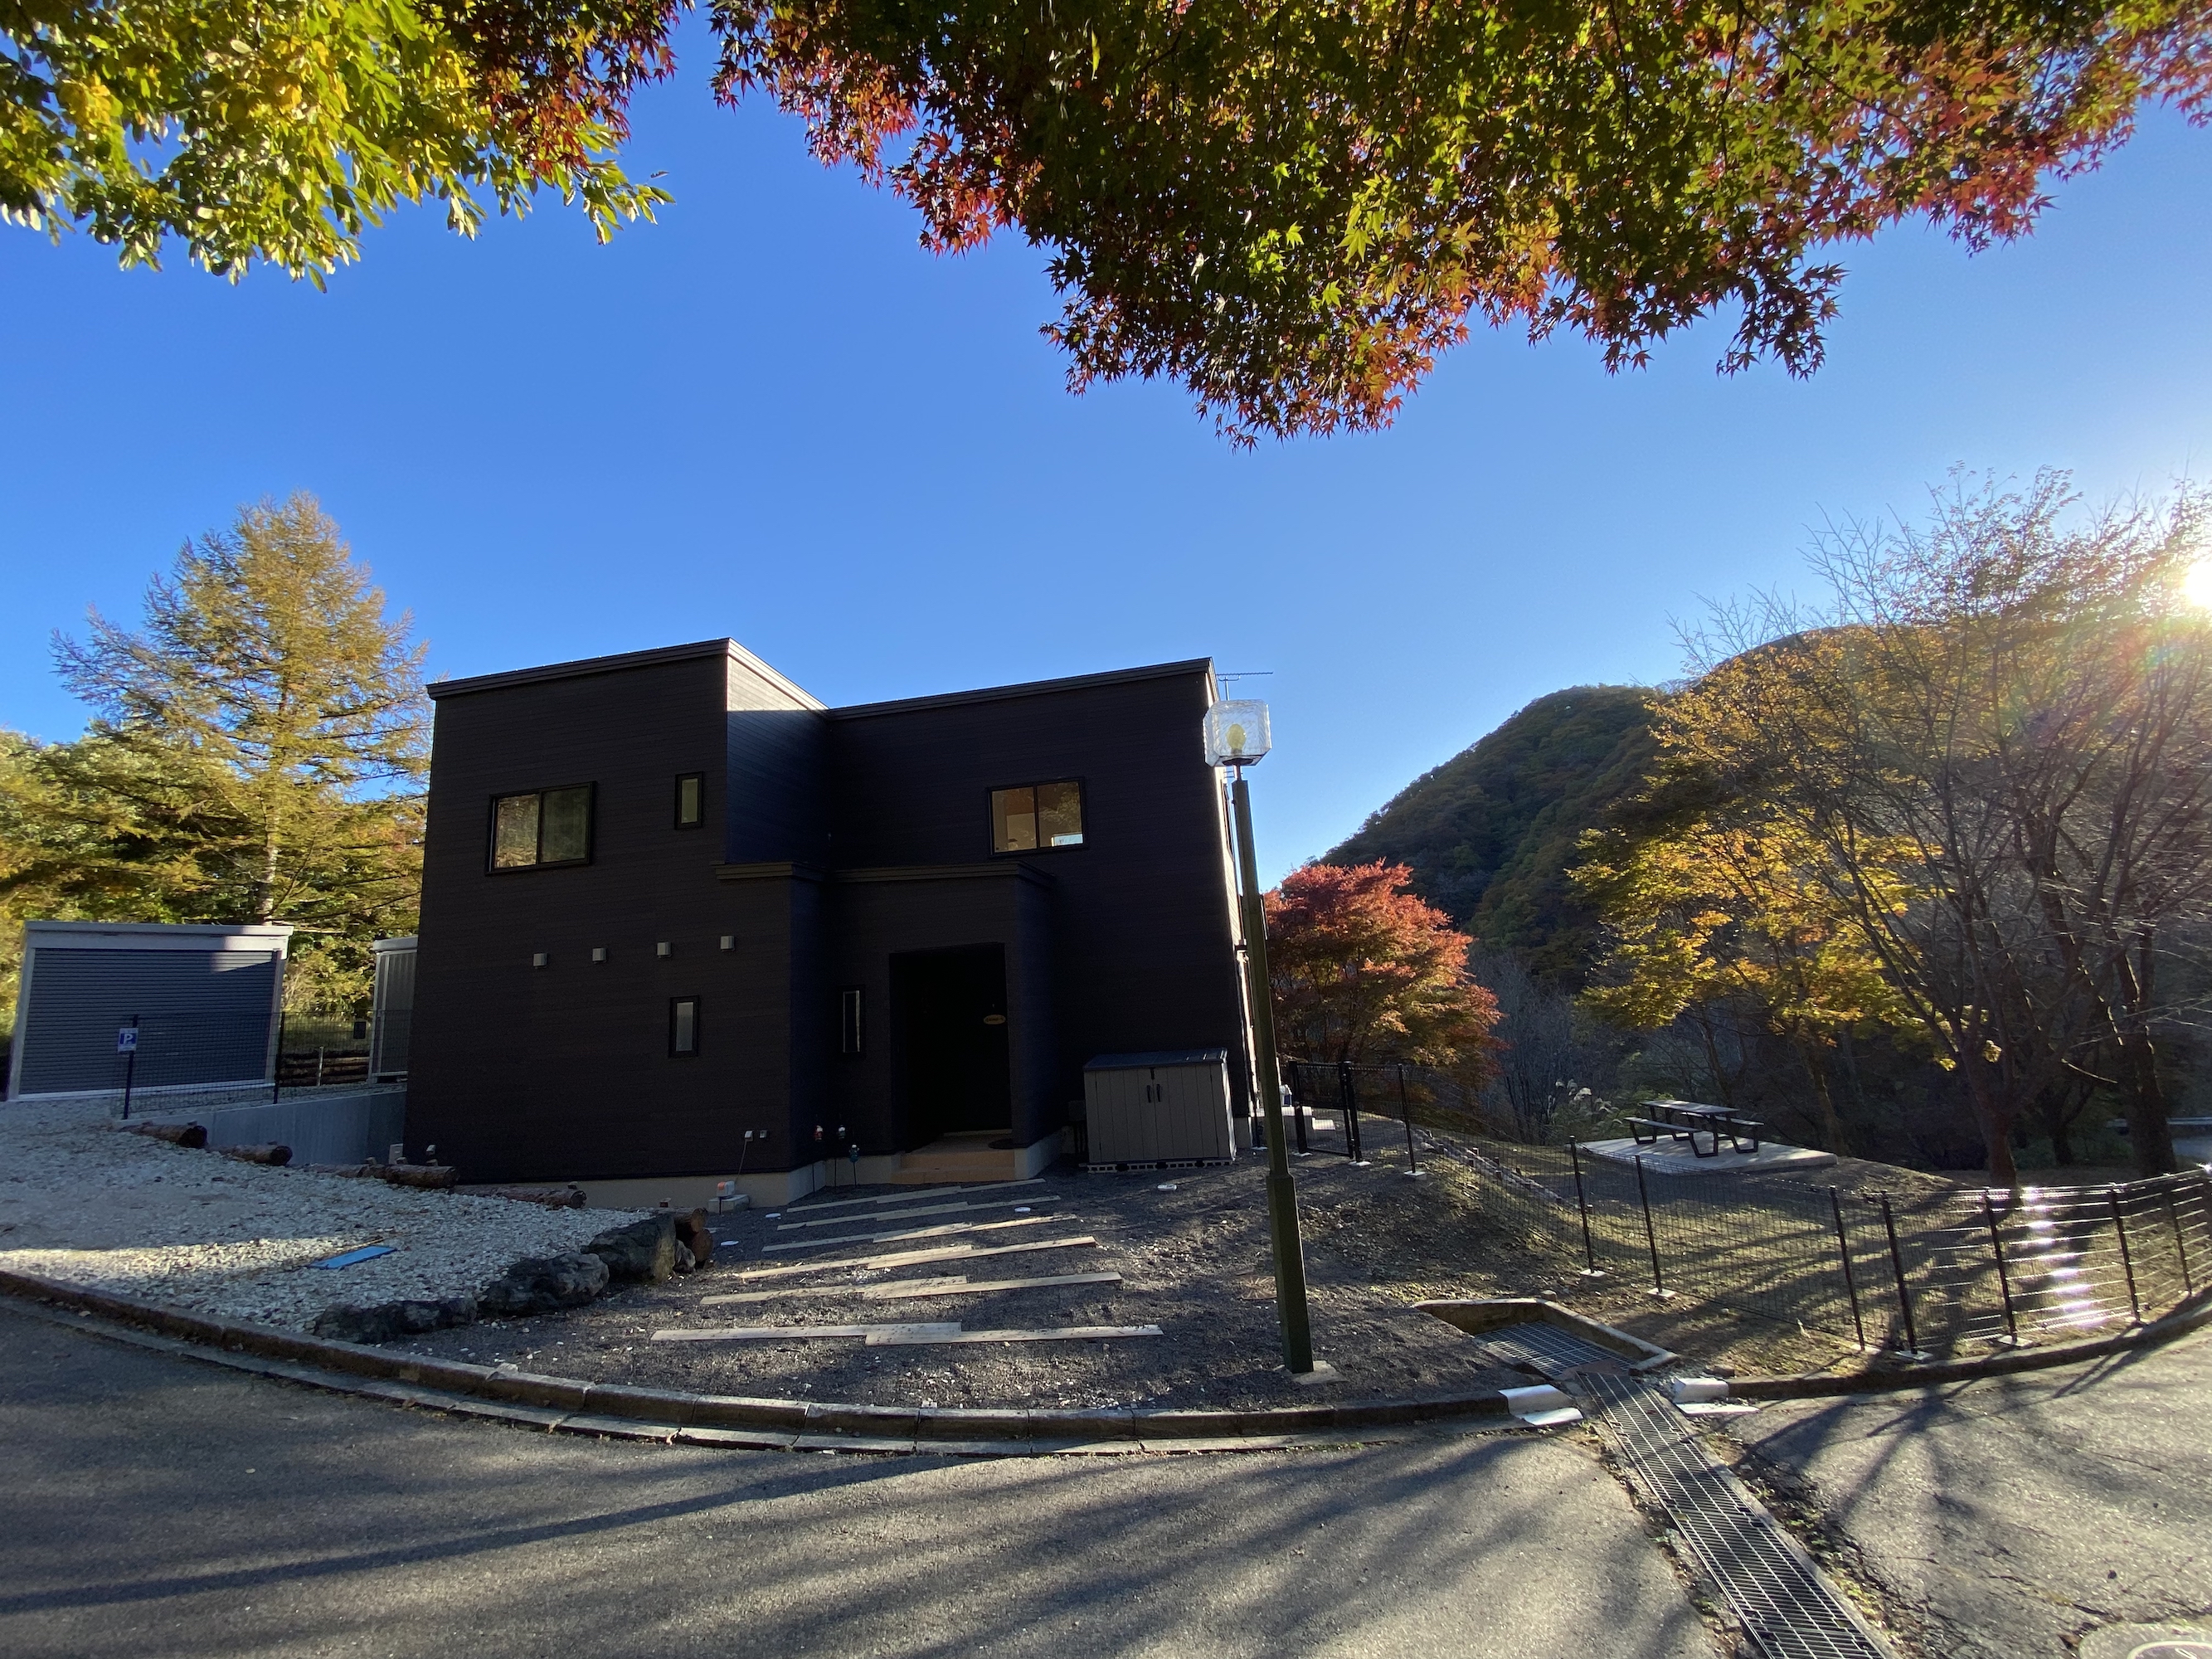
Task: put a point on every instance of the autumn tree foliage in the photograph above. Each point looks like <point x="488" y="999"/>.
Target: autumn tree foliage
<point x="256" y="754"/>
<point x="1364" y="971"/>
<point x="1970" y="799"/>
<point x="1293" y="206"/>
<point x="278" y="129"/>
<point x="1289" y="206"/>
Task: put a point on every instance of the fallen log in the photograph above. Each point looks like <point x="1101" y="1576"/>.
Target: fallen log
<point x="274" y="1153"/>
<point x="354" y="1169"/>
<point x="419" y="1175"/>
<point x="177" y="1134"/>
<point x="553" y="1198"/>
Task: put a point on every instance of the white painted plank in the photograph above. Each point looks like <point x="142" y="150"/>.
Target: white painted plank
<point x="794" y="1332"/>
<point x="916" y="1336"/>
<point x="910" y="1215"/>
<point x="813" y="1290"/>
<point x="978" y="1288"/>
<point x="914" y="1197"/>
<point x="940" y="1230"/>
<point x="910" y="1258"/>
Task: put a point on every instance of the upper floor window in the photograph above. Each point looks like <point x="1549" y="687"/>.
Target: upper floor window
<point x="547" y="826"/>
<point x="691" y="801"/>
<point x="1032" y="817"/>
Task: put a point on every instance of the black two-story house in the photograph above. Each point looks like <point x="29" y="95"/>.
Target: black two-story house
<point x="682" y="924"/>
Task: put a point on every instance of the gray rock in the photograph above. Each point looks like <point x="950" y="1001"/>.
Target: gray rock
<point x="544" y="1283"/>
<point x="639" y="1251"/>
<point x="390" y="1321"/>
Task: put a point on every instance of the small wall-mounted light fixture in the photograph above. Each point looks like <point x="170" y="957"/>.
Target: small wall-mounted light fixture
<point x="598" y="953"/>
<point x="663" y="948"/>
<point x="538" y="959"/>
<point x="729" y="941"/>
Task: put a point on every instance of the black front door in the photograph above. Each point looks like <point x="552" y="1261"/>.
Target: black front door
<point x="949" y="1013"/>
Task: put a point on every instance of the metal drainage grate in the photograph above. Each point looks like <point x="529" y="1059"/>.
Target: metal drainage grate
<point x="1771" y="1586"/>
<point x="1544" y="1349"/>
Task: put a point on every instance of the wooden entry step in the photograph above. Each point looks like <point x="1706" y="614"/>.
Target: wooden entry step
<point x="959" y="1157"/>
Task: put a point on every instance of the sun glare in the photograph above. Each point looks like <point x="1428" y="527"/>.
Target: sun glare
<point x="2197" y="584"/>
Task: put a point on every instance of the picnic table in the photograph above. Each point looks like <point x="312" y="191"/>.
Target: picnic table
<point x="1685" y="1120"/>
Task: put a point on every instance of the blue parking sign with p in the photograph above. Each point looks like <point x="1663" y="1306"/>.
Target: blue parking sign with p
<point x="126" y="1040"/>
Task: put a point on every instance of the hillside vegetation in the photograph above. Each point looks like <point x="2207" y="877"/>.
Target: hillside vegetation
<point x="1491" y="834"/>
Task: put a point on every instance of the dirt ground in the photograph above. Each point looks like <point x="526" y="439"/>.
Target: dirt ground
<point x="1191" y="1246"/>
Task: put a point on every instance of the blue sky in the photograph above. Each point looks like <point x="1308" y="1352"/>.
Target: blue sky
<point x="772" y="416"/>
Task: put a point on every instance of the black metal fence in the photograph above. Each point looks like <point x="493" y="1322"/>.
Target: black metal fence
<point x="1919" y="1271"/>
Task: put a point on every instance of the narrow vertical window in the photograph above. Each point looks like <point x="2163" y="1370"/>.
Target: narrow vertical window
<point x="682" y="1026"/>
<point x="849" y="1024"/>
<point x="691" y="801"/>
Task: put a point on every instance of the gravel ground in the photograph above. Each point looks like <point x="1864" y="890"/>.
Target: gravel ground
<point x="1193" y="1260"/>
<point x="79" y="1200"/>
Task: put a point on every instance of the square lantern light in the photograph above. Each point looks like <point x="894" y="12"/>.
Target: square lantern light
<point x="1236" y="732"/>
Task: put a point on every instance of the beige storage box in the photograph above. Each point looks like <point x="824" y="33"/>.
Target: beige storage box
<point x="1154" y="1108"/>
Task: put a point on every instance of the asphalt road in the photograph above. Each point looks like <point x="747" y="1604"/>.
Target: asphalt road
<point x="2015" y="1516"/>
<point x="155" y="1505"/>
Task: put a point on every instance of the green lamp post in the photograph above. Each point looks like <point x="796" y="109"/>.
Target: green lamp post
<point x="1236" y="735"/>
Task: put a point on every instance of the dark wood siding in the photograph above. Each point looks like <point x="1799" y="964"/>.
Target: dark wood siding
<point x="1142" y="926"/>
<point x="773" y="759"/>
<point x="881" y="914"/>
<point x="523" y="1073"/>
<point x="832" y="842"/>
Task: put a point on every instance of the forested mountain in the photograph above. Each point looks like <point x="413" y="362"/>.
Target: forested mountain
<point x="1491" y="834"/>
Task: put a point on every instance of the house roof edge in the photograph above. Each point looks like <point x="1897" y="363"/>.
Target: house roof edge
<point x="1027" y="689"/>
<point x="727" y="649"/>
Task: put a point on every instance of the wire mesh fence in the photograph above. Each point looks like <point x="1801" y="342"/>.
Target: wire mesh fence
<point x="1925" y="1271"/>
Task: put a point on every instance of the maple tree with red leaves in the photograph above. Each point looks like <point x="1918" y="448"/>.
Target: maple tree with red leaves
<point x="1290" y="206"/>
<point x="1363" y="971"/>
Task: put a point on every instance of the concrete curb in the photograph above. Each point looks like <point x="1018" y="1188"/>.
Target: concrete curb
<point x="1816" y="1386"/>
<point x="669" y="1415"/>
<point x="732" y="1419"/>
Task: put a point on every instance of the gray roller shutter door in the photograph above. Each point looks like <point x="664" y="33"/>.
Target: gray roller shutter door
<point x="204" y="1017"/>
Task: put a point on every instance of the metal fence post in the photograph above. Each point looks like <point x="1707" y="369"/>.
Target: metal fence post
<point x="1582" y="1203"/>
<point x="1347" y="1096"/>
<point x="1298" y="1108"/>
<point x="2180" y="1245"/>
<point x="1405" y="1111"/>
<point x="1844" y="1249"/>
<point x="2127" y="1259"/>
<point x="1896" y="1267"/>
<point x="1650" y="1234"/>
<point x="276" y="1072"/>
<point x="2004" y="1278"/>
